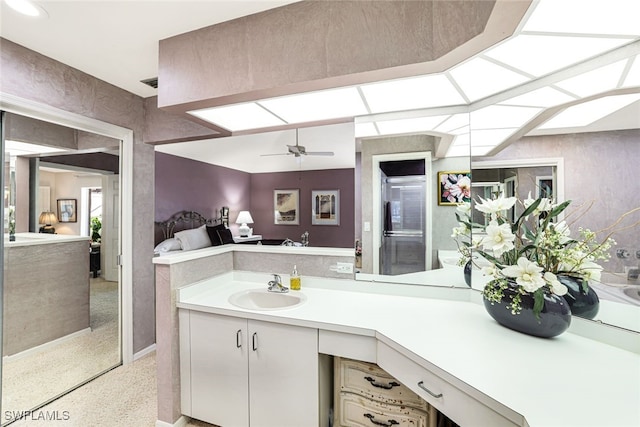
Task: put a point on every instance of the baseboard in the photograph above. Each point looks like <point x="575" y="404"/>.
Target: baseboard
<point x="181" y="422"/>
<point x="144" y="352"/>
<point x="45" y="346"/>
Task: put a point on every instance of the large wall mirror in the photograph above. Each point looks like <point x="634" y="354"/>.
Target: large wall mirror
<point x="61" y="290"/>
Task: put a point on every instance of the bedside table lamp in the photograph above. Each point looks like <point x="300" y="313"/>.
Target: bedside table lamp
<point x="47" y="218"/>
<point x="244" y="218"/>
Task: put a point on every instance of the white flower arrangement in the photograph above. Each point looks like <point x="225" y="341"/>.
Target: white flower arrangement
<point x="530" y="251"/>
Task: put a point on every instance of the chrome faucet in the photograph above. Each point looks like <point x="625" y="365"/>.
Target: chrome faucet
<point x="276" y="285"/>
<point x="633" y="273"/>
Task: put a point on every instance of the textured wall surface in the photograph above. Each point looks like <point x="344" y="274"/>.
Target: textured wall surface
<point x="46" y="294"/>
<point x="34" y="77"/>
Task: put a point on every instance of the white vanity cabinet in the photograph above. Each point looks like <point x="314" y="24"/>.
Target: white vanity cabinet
<point x="241" y="372"/>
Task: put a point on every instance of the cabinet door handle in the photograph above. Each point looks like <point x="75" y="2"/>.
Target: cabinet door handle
<point x="421" y="385"/>
<point x="387" y="423"/>
<point x="387" y="386"/>
<point x="254" y="340"/>
<point x="239" y="338"/>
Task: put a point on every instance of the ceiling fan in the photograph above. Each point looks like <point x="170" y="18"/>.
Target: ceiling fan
<point x="299" y="150"/>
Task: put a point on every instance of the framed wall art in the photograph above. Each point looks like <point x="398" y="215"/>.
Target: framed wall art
<point x="325" y="207"/>
<point x="67" y="210"/>
<point x="286" y="207"/>
<point x="454" y="187"/>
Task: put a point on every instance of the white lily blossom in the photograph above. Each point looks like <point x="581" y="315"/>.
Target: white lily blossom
<point x="494" y="207"/>
<point x="464" y="208"/>
<point x="556" y="287"/>
<point x="499" y="238"/>
<point x="528" y="274"/>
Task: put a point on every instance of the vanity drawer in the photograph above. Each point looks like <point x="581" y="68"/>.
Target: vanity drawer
<point x="357" y="411"/>
<point x="371" y="381"/>
<point x="459" y="406"/>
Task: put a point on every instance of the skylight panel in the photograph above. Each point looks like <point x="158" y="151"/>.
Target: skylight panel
<point x="17" y="148"/>
<point x="586" y="16"/>
<point x="589" y="112"/>
<point x="453" y="123"/>
<point x="315" y="106"/>
<point x="542" y="54"/>
<point x="633" y="76"/>
<point x="501" y="116"/>
<point x="365" y="129"/>
<point x="545" y="97"/>
<point x="599" y="80"/>
<point x="411" y="93"/>
<point x="416" y="124"/>
<point x="483" y="141"/>
<point x="479" y="78"/>
<point x="238" y="117"/>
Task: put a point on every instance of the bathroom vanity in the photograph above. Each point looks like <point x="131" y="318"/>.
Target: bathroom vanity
<point x="438" y="342"/>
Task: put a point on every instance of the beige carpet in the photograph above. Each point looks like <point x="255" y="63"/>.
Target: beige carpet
<point x="28" y="382"/>
<point x="123" y="397"/>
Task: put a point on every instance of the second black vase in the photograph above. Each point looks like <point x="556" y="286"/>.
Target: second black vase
<point x="582" y="299"/>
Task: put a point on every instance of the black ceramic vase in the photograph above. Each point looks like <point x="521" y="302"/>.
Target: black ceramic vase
<point x="583" y="303"/>
<point x="553" y="320"/>
<point x="467" y="273"/>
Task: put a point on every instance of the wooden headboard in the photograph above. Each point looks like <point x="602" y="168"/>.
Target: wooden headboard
<point x="183" y="220"/>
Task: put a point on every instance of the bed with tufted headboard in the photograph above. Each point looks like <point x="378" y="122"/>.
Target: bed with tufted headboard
<point x="190" y="230"/>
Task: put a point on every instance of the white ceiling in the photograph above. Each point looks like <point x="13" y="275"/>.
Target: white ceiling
<point x="117" y="41"/>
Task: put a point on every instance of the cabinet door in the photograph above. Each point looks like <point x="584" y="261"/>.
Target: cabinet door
<point x="283" y="375"/>
<point x="219" y="375"/>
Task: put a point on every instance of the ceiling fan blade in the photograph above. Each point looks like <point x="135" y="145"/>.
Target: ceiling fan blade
<point x="319" y="153"/>
<point x="276" y="154"/>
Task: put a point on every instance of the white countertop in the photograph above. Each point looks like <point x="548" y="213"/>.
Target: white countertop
<point x="565" y="381"/>
<point x="30" y="239"/>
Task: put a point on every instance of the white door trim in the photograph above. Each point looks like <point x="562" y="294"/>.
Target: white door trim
<point x="36" y="110"/>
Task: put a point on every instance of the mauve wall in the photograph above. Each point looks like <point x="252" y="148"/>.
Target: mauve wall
<point x="263" y="184"/>
<point x="185" y="184"/>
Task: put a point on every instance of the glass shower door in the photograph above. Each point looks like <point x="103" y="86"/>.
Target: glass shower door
<point x="404" y="219"/>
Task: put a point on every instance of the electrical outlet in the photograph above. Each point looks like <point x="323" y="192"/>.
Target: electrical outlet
<point x="344" y="267"/>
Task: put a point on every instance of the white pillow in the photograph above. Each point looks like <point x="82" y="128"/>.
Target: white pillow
<point x="168" y="246"/>
<point x="195" y="238"/>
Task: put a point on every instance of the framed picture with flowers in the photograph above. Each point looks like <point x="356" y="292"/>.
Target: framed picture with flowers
<point x="454" y="187"/>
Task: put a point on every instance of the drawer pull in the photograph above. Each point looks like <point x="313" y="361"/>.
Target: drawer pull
<point x="421" y="385"/>
<point x="387" y="386"/>
<point x="254" y="341"/>
<point x="373" y="420"/>
<point x="239" y="338"/>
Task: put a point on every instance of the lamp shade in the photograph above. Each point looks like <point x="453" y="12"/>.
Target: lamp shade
<point x="244" y="217"/>
<point x="47" y="218"/>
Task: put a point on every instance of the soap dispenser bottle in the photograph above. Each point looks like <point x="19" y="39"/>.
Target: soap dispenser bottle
<point x="294" y="282"/>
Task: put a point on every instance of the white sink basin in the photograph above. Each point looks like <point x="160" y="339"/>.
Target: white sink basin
<point x="261" y="299"/>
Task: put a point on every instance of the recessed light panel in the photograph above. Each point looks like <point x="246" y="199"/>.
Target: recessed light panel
<point x="483" y="141"/>
<point x="454" y="123"/>
<point x="315" y="106"/>
<point x="501" y="116"/>
<point x="586" y="16"/>
<point x="588" y="112"/>
<point x="599" y="80"/>
<point x="542" y="54"/>
<point x="480" y="78"/>
<point x="412" y="93"/>
<point x="544" y="97"/>
<point x="17" y="148"/>
<point x="417" y="124"/>
<point x="239" y="117"/>
<point x="365" y="129"/>
<point x="633" y="76"/>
